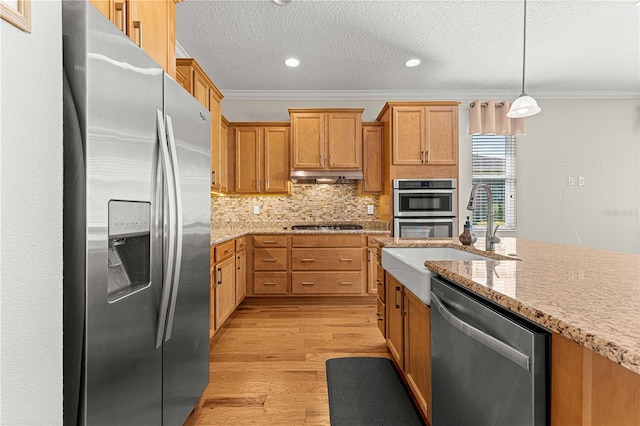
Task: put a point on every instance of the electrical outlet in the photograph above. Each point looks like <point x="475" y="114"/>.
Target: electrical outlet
<point x="370" y="209"/>
<point x="571" y="181"/>
<point x="256" y="209"/>
<point x="580" y="180"/>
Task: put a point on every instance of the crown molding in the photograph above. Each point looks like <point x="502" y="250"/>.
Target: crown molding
<point x="387" y="95"/>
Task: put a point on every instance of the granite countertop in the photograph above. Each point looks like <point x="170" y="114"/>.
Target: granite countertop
<point x="586" y="295"/>
<point x="228" y="231"/>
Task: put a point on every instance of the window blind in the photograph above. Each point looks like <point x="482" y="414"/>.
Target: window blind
<point x="494" y="163"/>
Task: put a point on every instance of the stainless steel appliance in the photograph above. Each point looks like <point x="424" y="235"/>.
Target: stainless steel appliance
<point x="488" y="365"/>
<point x="136" y="232"/>
<point x="425" y="208"/>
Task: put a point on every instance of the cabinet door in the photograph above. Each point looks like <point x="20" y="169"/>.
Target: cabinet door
<point x="150" y="28"/>
<point x="241" y="276"/>
<point x="212" y="301"/>
<point x="372" y="160"/>
<point x="417" y="351"/>
<point x="201" y="88"/>
<point x="394" y="319"/>
<point x="408" y="127"/>
<point x="442" y="135"/>
<point x="104" y="7"/>
<point x="372" y="283"/>
<point x="225" y="290"/>
<point x="344" y="141"/>
<point x="307" y="137"/>
<point x="217" y="156"/>
<point x="247" y="160"/>
<point x="276" y="160"/>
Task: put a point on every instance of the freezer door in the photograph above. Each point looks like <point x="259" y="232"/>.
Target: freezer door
<point x="121" y="372"/>
<point x="186" y="347"/>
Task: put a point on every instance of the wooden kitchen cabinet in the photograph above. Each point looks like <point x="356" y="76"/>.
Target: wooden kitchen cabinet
<point x="424" y="135"/>
<point x="408" y="337"/>
<point x="589" y="389"/>
<point x="224" y="275"/>
<point x="326" y="139"/>
<point x="417" y="351"/>
<point x="395" y="320"/>
<point x="327" y="264"/>
<point x="269" y="274"/>
<point x="241" y="270"/>
<point x="261" y="158"/>
<point x="195" y="81"/>
<point x="372" y="182"/>
<point x="151" y="24"/>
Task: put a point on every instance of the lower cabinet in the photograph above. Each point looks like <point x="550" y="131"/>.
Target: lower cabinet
<point x="241" y="276"/>
<point x="225" y="290"/>
<point x="408" y="335"/>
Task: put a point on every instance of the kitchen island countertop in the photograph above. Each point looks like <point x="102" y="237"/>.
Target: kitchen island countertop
<point x="589" y="296"/>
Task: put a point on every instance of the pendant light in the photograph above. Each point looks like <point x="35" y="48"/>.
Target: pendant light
<point x="525" y="105"/>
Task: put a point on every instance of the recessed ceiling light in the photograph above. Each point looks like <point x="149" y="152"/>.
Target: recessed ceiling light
<point x="281" y="2"/>
<point x="412" y="63"/>
<point x="292" y="62"/>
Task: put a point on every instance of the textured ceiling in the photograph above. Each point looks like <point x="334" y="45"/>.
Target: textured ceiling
<point x="468" y="48"/>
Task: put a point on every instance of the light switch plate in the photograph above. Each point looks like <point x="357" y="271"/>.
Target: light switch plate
<point x="256" y="209"/>
<point x="370" y="209"/>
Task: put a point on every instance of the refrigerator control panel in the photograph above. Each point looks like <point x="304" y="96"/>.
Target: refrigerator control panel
<point x="128" y="218"/>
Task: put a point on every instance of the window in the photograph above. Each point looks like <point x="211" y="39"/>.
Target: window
<point x="494" y="163"/>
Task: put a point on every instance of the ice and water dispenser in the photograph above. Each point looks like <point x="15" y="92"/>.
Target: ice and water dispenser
<point x="129" y="248"/>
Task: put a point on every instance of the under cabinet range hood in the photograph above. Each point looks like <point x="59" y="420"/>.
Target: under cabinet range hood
<point x="326" y="176"/>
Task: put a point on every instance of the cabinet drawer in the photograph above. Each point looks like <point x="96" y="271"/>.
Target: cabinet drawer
<point x="241" y="243"/>
<point x="380" y="317"/>
<point x="316" y="240"/>
<point x="270" y="283"/>
<point x="269" y="240"/>
<point x="326" y="282"/>
<point x="270" y="259"/>
<point x="326" y="259"/>
<point x="224" y="250"/>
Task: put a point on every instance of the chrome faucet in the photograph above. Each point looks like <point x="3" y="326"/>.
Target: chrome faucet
<point x="491" y="238"/>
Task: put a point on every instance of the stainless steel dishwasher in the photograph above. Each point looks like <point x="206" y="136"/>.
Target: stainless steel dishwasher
<point x="489" y="366"/>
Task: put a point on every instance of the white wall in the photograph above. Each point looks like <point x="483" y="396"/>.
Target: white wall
<point x="597" y="139"/>
<point x="31" y="220"/>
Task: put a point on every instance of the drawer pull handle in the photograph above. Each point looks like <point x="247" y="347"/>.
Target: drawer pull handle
<point x="268" y="283"/>
<point x="269" y="242"/>
<point x="346" y="282"/>
<point x="308" y="260"/>
<point x="379" y="282"/>
<point x="307" y="283"/>
<point x="379" y="316"/>
<point x="346" y="260"/>
<point x="268" y="260"/>
<point x="228" y="250"/>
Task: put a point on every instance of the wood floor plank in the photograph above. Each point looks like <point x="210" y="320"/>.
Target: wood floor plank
<point x="267" y="363"/>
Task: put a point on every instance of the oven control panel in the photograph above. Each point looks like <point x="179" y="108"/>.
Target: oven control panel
<point x="424" y="183"/>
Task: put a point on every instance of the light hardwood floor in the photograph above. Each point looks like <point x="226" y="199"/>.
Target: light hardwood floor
<point x="268" y="362"/>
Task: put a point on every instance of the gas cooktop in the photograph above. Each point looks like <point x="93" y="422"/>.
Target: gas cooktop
<point x="328" y="227"/>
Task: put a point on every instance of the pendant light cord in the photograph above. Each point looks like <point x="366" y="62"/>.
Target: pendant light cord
<point x="524" y="44"/>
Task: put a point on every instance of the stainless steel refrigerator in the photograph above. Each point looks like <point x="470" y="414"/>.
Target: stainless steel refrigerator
<point x="136" y="232"/>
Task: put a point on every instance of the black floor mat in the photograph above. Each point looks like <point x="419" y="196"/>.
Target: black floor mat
<point x="368" y="391"/>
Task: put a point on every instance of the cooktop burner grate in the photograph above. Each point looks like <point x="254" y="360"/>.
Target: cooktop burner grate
<point x="328" y="227"/>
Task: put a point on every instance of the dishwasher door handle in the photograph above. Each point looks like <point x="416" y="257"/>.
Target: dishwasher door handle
<point x="498" y="346"/>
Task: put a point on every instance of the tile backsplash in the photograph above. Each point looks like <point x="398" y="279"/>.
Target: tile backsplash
<point x="307" y="203"/>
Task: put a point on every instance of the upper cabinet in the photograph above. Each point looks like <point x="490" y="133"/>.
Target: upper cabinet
<point x="422" y="133"/>
<point x="326" y="139"/>
<point x="372" y="182"/>
<point x="261" y="157"/>
<point x="151" y="24"/>
<point x="195" y="81"/>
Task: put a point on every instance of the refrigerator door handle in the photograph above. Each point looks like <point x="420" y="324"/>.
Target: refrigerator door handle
<point x="168" y="271"/>
<point x="178" y="226"/>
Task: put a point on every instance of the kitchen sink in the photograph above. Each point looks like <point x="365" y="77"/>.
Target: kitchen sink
<point x="406" y="264"/>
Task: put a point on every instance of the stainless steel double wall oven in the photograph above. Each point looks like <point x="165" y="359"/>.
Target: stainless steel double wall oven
<point x="425" y="208"/>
